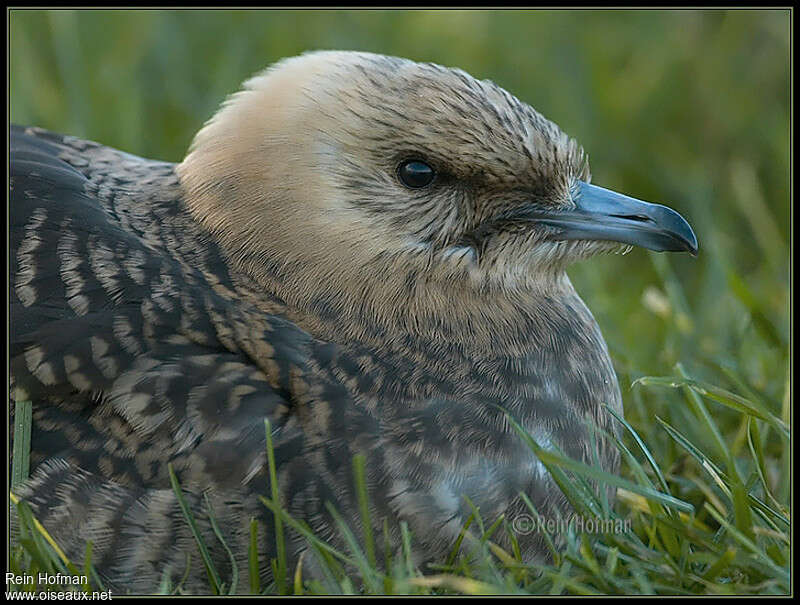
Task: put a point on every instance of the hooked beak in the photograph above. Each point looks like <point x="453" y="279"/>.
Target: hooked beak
<point x="601" y="214"/>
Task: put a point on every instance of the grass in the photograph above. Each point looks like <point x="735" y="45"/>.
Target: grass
<point x="664" y="103"/>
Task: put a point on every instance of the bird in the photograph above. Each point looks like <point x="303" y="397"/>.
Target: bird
<point x="365" y="251"/>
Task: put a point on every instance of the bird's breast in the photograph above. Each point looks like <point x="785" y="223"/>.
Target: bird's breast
<point x="434" y="420"/>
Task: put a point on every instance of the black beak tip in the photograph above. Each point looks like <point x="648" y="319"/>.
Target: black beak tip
<point x="686" y="234"/>
<point x="692" y="246"/>
<point x="674" y="228"/>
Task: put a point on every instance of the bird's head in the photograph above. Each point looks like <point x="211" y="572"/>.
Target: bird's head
<point x="333" y="167"/>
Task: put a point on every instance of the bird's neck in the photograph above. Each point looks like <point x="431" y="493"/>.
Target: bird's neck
<point x="380" y="307"/>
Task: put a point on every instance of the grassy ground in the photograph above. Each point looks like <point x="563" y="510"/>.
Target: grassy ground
<point x="685" y="108"/>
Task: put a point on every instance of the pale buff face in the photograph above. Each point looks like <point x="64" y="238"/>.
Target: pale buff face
<point x="300" y="169"/>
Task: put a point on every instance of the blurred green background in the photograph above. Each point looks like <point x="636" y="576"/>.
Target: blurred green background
<point x="686" y="108"/>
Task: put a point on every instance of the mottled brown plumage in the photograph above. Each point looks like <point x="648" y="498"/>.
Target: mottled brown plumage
<point x="159" y="313"/>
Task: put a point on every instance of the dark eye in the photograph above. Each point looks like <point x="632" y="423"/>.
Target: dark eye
<point x="415" y="174"/>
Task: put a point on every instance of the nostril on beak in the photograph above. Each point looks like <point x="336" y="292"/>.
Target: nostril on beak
<point x="641" y="218"/>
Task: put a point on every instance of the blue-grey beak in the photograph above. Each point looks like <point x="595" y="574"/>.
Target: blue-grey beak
<point x="601" y="214"/>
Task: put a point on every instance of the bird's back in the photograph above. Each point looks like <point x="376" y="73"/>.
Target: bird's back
<point x="127" y="336"/>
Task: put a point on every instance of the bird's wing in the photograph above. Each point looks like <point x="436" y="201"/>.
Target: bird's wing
<point x="127" y="339"/>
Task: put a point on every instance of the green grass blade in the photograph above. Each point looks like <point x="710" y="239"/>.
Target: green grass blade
<point x="280" y="543"/>
<point x="298" y="575"/>
<point x="218" y="533"/>
<point x="457" y="545"/>
<point x="211" y="570"/>
<point x="720" y="395"/>
<point x="20" y="466"/>
<point x="359" y="462"/>
<point x="252" y="559"/>
<point x="306" y="532"/>
<point x="406" y="541"/>
<point x="748" y="544"/>
<point x="388" y="581"/>
<point x="368" y="572"/>
<point x="553" y="460"/>
<point x="644" y="449"/>
<point x="757" y="452"/>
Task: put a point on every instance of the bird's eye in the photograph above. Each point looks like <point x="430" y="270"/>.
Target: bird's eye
<point x="415" y="174"/>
